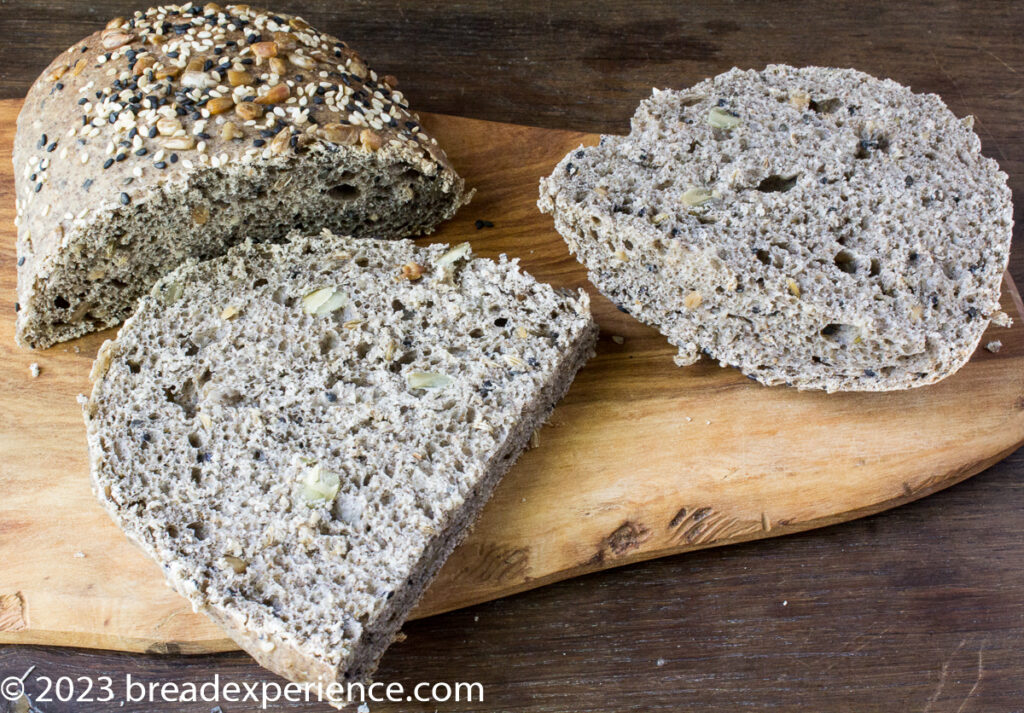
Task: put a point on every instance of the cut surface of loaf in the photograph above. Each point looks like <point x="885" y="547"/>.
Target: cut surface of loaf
<point x="179" y="131"/>
<point x="300" y="434"/>
<point x="815" y="227"/>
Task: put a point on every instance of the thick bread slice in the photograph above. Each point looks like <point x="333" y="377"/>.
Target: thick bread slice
<point x="301" y="476"/>
<point x="176" y="132"/>
<point x="814" y="227"/>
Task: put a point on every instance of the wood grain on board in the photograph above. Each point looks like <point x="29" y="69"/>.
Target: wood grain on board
<point x="642" y="459"/>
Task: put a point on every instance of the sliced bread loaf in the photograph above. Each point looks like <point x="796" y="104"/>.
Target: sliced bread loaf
<point x="178" y="131"/>
<point x="815" y="227"/>
<point x="300" y="434"/>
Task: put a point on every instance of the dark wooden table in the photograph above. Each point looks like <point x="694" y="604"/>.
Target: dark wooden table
<point x="919" y="609"/>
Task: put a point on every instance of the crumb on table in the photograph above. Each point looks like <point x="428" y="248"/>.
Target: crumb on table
<point x="33" y="369"/>
<point x="994" y="346"/>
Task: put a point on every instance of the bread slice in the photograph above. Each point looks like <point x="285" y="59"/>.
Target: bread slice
<point x="300" y="434"/>
<point x="176" y="132"/>
<point x="814" y="227"/>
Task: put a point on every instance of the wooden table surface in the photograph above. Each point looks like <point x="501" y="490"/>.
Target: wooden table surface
<point x="917" y="609"/>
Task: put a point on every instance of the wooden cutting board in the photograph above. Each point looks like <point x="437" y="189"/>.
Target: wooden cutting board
<point x="642" y="459"/>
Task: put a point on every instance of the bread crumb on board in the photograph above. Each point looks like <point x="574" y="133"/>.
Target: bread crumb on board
<point x="1001" y="319"/>
<point x="994" y="346"/>
<point x="33" y="369"/>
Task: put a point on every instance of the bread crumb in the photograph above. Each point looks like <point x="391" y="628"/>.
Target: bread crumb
<point x="659" y="662"/>
<point x="79" y="555"/>
<point x="1001" y="319"/>
<point x="688" y="419"/>
<point x="363" y="708"/>
<point x="33" y="369"/>
<point x="617" y="339"/>
<point x="994" y="346"/>
<point x="707" y="423"/>
<point x="785" y="602"/>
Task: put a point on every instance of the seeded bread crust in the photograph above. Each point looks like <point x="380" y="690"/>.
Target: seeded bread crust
<point x="223" y="392"/>
<point x="178" y="131"/>
<point x="815" y="227"/>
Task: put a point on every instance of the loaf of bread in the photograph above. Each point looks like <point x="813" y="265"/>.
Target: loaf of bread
<point x="176" y="132"/>
<point x="815" y="227"/>
<point x="300" y="434"/>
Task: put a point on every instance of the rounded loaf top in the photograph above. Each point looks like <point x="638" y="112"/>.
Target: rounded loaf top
<point x="155" y="96"/>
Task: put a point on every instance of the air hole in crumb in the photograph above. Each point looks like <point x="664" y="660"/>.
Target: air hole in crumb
<point x="171" y="531"/>
<point x="328" y="342"/>
<point x="362" y="262"/>
<point x="846" y="262"/>
<point x="777" y="184"/>
<point x="397" y="305"/>
<point x="840" y="333"/>
<point x="133" y="366"/>
<point x="343" y="192"/>
<point x="876" y="267"/>
<point x="825" y="106"/>
<point x="627" y="244"/>
<point x="476" y="333"/>
<point x="60" y="303"/>
<point x="195" y="440"/>
<point x="764" y="256"/>
<point x="259" y="282"/>
<point x="363" y="349"/>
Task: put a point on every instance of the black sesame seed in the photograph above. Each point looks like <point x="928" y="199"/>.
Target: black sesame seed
<point x="87" y="185"/>
<point x="17" y="307"/>
<point x="483" y="224"/>
<point x="318" y="100"/>
<point x="82" y="101"/>
<point x="160" y="164"/>
<point x="909" y="181"/>
<point x="59" y="86"/>
<point x="142" y="152"/>
<point x="174" y="158"/>
<point x="173" y="55"/>
<point x="120" y="157"/>
<point x="622" y="309"/>
<point x="258" y="142"/>
<point x="21" y="261"/>
<point x="125" y="200"/>
<point x="39" y="187"/>
<point x="869" y="372"/>
<point x="208" y="65"/>
<point x="32" y="177"/>
<point x="152" y="132"/>
<point x="203" y="135"/>
<point x="332" y="397"/>
<point x="42" y="141"/>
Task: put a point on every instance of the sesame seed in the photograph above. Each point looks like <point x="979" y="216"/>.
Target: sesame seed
<point x="125" y="200"/>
